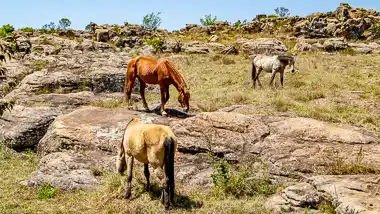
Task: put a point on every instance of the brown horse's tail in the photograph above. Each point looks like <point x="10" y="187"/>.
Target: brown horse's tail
<point x="120" y="158"/>
<point x="169" y="145"/>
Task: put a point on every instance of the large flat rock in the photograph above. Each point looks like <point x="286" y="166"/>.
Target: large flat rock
<point x="88" y="137"/>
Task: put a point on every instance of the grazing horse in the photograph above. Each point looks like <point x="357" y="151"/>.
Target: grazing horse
<point x="161" y="72"/>
<point x="152" y="144"/>
<point x="270" y="64"/>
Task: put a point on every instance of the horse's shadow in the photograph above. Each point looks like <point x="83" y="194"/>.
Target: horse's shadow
<point x="171" y="112"/>
<point x="180" y="201"/>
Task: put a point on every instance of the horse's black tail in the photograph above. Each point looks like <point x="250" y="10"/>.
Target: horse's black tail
<point x="169" y="145"/>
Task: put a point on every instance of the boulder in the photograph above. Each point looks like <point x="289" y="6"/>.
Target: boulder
<point x="351" y="193"/>
<point x="23" y="127"/>
<point x="264" y="46"/>
<point x="335" y="44"/>
<point x="102" y="35"/>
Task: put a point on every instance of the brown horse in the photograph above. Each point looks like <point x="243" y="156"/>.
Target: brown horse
<point x="161" y="72"/>
<point x="152" y="144"/>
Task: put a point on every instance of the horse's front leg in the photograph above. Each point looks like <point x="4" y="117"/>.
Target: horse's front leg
<point x="142" y="94"/>
<point x="147" y="174"/>
<point x="129" y="82"/>
<point x="282" y="79"/>
<point x="163" y="100"/>
<point x="167" y="94"/>
<point x="128" y="190"/>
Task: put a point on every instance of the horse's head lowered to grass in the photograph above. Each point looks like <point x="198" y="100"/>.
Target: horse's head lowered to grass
<point x="183" y="98"/>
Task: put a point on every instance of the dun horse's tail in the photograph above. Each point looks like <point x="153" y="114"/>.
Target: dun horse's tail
<point x="120" y="158"/>
<point x="169" y="145"/>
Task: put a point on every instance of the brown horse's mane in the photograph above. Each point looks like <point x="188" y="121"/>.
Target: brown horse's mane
<point x="168" y="64"/>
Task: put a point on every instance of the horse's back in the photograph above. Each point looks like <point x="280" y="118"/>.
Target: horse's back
<point x="146" y="142"/>
<point x="265" y="62"/>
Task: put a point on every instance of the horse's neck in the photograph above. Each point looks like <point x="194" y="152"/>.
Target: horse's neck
<point x="178" y="80"/>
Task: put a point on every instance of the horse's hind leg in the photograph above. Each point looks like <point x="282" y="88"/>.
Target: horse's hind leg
<point x="257" y="76"/>
<point x="161" y="175"/>
<point x="147" y="174"/>
<point x="142" y="93"/>
<point x="272" y="78"/>
<point x="129" y="178"/>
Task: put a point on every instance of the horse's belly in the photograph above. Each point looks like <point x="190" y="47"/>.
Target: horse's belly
<point x="150" y="79"/>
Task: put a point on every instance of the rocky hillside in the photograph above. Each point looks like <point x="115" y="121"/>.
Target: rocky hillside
<point x="66" y="91"/>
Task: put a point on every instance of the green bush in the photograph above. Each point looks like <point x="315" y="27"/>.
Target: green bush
<point x="5" y="30"/>
<point x="26" y="29"/>
<point x="116" y="29"/>
<point x="208" y="20"/>
<point x="239" y="182"/>
<point x="157" y="44"/>
<point x="46" y="191"/>
<point x="152" y="21"/>
<point x="239" y="23"/>
<point x="6" y="105"/>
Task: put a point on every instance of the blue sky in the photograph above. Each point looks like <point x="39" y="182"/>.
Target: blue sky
<point x="22" y="13"/>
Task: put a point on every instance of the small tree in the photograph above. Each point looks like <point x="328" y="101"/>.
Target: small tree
<point x="5" y="30"/>
<point x="282" y="11"/>
<point x="49" y="27"/>
<point x="208" y="20"/>
<point x="152" y="21"/>
<point x="64" y="23"/>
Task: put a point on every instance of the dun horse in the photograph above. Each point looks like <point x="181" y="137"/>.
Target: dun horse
<point x="162" y="72"/>
<point x="270" y="64"/>
<point x="150" y="144"/>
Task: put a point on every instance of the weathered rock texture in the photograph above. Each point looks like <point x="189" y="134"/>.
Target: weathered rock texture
<point x="290" y="146"/>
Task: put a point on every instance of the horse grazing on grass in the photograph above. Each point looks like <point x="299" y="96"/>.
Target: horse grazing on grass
<point x="270" y="64"/>
<point x="152" y="144"/>
<point x="161" y="72"/>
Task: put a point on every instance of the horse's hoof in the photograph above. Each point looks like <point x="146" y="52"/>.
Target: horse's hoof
<point x="127" y="195"/>
<point x="164" y="113"/>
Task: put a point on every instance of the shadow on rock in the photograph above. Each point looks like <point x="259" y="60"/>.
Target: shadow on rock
<point x="180" y="201"/>
<point x="171" y="112"/>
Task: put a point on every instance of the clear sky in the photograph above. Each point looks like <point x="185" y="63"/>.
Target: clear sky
<point x="175" y="13"/>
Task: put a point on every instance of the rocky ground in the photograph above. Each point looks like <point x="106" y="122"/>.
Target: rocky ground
<point x="317" y="138"/>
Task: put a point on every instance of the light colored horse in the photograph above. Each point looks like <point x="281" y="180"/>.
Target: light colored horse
<point x="152" y="144"/>
<point x="270" y="64"/>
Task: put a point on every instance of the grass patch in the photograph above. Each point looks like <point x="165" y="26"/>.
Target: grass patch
<point x="46" y="191"/>
<point x="109" y="103"/>
<point x="239" y="181"/>
<point x="339" y="165"/>
<point x="38" y="65"/>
